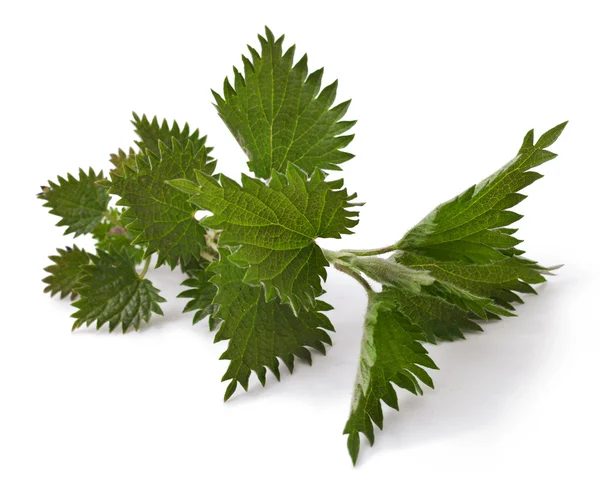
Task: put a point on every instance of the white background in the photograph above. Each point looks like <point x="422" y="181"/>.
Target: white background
<point x="444" y="93"/>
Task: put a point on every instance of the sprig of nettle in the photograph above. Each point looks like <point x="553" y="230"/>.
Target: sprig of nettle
<point x="254" y="267"/>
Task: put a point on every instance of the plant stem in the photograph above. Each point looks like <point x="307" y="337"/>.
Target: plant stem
<point x="370" y="252"/>
<point x="360" y="279"/>
<point x="142" y="274"/>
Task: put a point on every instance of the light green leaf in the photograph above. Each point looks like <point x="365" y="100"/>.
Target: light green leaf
<point x="273" y="228"/>
<point x="390" y="354"/>
<point x="160" y="217"/>
<point x="112" y="292"/>
<point x="261" y="332"/>
<point x="80" y="202"/>
<point x="278" y="113"/>
<point x="66" y="271"/>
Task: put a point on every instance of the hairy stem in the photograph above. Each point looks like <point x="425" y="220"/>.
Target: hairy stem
<point x="142" y="274"/>
<point x="360" y="279"/>
<point x="370" y="252"/>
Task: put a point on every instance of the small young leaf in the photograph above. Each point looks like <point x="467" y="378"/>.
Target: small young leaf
<point x="112" y="292"/>
<point x="152" y="133"/>
<point x="66" y="271"/>
<point x="80" y="202"/>
<point x="201" y="292"/>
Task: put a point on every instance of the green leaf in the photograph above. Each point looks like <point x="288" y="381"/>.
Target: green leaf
<point x="201" y="292"/>
<point x="112" y="292"/>
<point x="278" y="113"/>
<point x="152" y="133"/>
<point x="80" y="202"/>
<point x="498" y="280"/>
<point x="390" y="354"/>
<point x="261" y="332"/>
<point x="66" y="271"/>
<point x="123" y="159"/>
<point x="273" y="228"/>
<point x="472" y="226"/>
<point x="160" y="217"/>
<point x="438" y="318"/>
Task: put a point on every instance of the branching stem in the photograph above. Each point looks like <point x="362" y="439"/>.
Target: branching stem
<point x="360" y="279"/>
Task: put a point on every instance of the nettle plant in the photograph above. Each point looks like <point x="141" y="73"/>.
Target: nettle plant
<point x="255" y="269"/>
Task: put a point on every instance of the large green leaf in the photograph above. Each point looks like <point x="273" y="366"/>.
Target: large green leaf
<point x="261" y="332"/>
<point x="273" y="228"/>
<point x="390" y="354"/>
<point x="278" y="113"/>
<point x="472" y="226"/>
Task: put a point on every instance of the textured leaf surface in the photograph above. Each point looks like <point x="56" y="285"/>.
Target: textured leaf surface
<point x="152" y="133"/>
<point x="498" y="280"/>
<point x="276" y="227"/>
<point x="112" y="292"/>
<point x="390" y="354"/>
<point x="439" y="318"/>
<point x="472" y="226"/>
<point x="80" y="202"/>
<point x="159" y="216"/>
<point x="278" y="113"/>
<point x="66" y="271"/>
<point x="261" y="332"/>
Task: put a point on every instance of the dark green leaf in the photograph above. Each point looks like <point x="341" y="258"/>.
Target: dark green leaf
<point x="112" y="292"/>
<point x="201" y="292"/>
<point x="261" y="332"/>
<point x="80" y="202"/>
<point x="66" y="271"/>
<point x="152" y="133"/>
<point x="160" y="217"/>
<point x="390" y="354"/>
